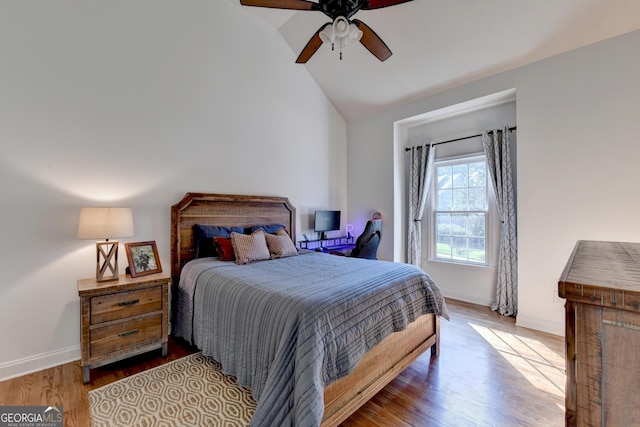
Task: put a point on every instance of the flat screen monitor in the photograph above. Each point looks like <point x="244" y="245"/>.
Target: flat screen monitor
<point x="326" y="221"/>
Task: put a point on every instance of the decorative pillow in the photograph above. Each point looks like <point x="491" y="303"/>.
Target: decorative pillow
<point x="280" y="245"/>
<point x="250" y="247"/>
<point x="268" y="228"/>
<point x="224" y="248"/>
<point x="203" y="238"/>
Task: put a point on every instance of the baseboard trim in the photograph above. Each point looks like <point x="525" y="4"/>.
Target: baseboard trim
<point x="28" y="365"/>
<point x="529" y="322"/>
<point x="541" y="325"/>
<point x="465" y="298"/>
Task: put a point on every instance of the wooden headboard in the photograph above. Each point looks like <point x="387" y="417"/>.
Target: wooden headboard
<point x="226" y="210"/>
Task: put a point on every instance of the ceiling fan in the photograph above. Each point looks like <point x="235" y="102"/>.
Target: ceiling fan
<point x="343" y="30"/>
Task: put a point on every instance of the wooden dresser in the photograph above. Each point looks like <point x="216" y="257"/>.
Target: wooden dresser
<point x="601" y="284"/>
<point x="122" y="318"/>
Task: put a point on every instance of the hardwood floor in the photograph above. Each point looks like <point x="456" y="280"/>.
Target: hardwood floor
<point x="489" y="373"/>
<point x="62" y="385"/>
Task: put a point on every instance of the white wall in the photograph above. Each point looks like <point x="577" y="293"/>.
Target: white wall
<point x="578" y="125"/>
<point x="133" y="104"/>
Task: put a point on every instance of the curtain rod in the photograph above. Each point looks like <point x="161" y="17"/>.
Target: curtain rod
<point x="511" y="129"/>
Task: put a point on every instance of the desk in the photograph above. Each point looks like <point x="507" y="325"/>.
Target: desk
<point x="601" y="284"/>
<point x="338" y="250"/>
<point x="335" y="244"/>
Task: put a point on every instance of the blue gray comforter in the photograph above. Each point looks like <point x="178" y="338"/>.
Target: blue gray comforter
<point x="288" y="327"/>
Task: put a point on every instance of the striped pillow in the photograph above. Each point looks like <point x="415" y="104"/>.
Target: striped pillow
<point x="249" y="248"/>
<point x="280" y="245"/>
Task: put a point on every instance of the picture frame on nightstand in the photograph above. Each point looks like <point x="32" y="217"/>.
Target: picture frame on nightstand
<point x="143" y="258"/>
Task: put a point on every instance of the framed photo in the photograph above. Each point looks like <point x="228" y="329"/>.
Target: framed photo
<point x="143" y="258"/>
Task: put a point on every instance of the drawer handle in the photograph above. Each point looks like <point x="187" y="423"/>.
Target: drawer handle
<point x="129" y="333"/>
<point x="126" y="303"/>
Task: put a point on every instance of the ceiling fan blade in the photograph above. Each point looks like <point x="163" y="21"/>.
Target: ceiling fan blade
<point x="282" y="4"/>
<point x="373" y="42"/>
<point x="312" y="46"/>
<point x="377" y="4"/>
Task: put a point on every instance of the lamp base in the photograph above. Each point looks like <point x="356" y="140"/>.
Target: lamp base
<point x="107" y="259"/>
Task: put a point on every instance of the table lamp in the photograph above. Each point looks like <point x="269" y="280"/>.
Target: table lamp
<point x="105" y="223"/>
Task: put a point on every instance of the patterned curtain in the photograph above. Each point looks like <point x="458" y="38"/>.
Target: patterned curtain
<point x="496" y="148"/>
<point x="420" y="172"/>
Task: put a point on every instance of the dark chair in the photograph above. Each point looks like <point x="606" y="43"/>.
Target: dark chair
<point x="368" y="242"/>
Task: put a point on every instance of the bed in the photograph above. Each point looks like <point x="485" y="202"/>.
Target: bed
<point x="294" y="390"/>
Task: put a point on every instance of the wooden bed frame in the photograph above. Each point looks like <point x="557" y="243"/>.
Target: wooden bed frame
<point x="376" y="369"/>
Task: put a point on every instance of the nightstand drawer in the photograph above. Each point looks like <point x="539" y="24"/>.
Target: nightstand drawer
<point x="125" y="304"/>
<point x="113" y="338"/>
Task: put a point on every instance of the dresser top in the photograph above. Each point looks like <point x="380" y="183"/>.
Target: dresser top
<point x="613" y="265"/>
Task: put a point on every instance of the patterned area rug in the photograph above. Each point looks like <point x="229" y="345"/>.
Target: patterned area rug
<point x="191" y="391"/>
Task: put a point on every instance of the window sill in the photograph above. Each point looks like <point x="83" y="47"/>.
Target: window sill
<point x="459" y="264"/>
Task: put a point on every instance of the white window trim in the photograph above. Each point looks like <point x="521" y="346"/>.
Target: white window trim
<point x="491" y="239"/>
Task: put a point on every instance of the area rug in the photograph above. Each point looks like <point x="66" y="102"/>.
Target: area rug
<point x="191" y="391"/>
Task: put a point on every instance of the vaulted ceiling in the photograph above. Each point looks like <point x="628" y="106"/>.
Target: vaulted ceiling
<point x="438" y="44"/>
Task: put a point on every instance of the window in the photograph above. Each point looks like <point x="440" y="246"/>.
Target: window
<point x="460" y="211"/>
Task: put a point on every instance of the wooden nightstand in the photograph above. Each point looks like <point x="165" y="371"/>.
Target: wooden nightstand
<point x="121" y="319"/>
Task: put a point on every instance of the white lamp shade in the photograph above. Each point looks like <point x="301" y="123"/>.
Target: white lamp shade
<point x="353" y="37"/>
<point x="105" y="223"/>
<point x="341" y="26"/>
<point x="327" y="35"/>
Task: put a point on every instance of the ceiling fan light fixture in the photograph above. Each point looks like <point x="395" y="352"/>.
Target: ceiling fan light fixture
<point x="342" y="31"/>
<point x="340" y="26"/>
<point x="354" y="35"/>
<point x="327" y="35"/>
